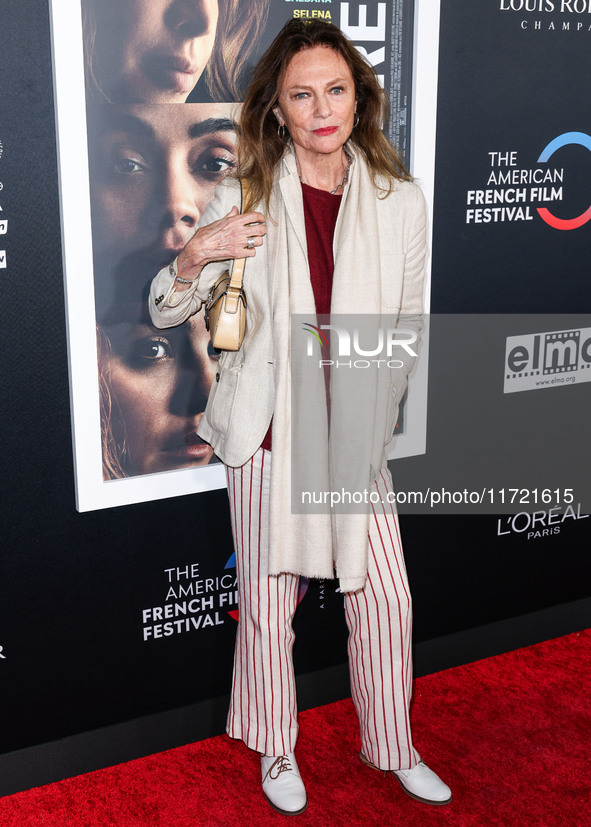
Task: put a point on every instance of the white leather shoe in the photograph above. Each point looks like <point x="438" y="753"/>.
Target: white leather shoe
<point x="423" y="784"/>
<point x="420" y="783"/>
<point x="282" y="784"/>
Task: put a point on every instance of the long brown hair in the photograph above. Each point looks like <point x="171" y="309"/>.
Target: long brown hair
<point x="113" y="449"/>
<point x="260" y="147"/>
<point x="240" y="27"/>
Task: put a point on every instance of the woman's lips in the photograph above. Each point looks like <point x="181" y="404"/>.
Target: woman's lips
<point x="171" y="72"/>
<point x="195" y="446"/>
<point x="189" y="448"/>
<point x="181" y="81"/>
<point x="326" y="130"/>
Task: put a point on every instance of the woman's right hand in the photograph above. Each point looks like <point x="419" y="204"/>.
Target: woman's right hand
<point x="223" y="239"/>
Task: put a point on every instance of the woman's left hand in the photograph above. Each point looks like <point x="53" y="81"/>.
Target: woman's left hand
<point x="236" y="235"/>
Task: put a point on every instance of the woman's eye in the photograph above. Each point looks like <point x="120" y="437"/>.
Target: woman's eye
<point x="127" y="166"/>
<point x="215" y="164"/>
<point x="299" y="96"/>
<point x="337" y="90"/>
<point x="149" y="350"/>
<point x="123" y="159"/>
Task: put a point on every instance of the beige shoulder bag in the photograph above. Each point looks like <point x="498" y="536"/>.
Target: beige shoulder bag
<point x="225" y="309"/>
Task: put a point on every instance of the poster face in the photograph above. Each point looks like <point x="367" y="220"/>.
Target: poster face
<point x="148" y="103"/>
<point x="153" y="168"/>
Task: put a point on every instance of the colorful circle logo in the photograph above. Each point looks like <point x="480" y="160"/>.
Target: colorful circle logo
<point x="566" y="139"/>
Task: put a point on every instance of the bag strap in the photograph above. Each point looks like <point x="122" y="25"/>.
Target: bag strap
<point x="238" y="266"/>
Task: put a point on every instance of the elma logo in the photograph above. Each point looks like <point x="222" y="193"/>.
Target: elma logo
<point x="544" y="360"/>
<point x="566" y="139"/>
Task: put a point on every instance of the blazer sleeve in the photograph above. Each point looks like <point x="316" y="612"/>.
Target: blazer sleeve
<point x="416" y="255"/>
<point x="169" y="307"/>
<point x="410" y="320"/>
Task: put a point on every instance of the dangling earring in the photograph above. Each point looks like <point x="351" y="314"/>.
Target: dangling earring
<point x="281" y="130"/>
<point x="356" y="122"/>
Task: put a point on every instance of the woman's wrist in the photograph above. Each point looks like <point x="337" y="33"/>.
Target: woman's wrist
<point x="184" y="277"/>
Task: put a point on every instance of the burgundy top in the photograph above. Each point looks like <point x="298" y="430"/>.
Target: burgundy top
<point x="320" y="212"/>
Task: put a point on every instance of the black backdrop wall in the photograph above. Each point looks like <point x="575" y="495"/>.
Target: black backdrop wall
<point x="80" y="685"/>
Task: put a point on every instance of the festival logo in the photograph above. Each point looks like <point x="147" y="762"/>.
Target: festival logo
<point x="515" y="192"/>
<point x="194" y="601"/>
<point x="566" y="139"/>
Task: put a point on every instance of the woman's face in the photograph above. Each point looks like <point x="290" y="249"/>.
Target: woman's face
<point x="153" y="172"/>
<point x="160" y="381"/>
<point x="317" y="101"/>
<point x="153" y="51"/>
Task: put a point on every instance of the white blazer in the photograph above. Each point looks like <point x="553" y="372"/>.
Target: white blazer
<point x="390" y="280"/>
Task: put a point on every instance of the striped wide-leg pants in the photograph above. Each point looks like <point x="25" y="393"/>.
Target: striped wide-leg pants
<point x="263" y="710"/>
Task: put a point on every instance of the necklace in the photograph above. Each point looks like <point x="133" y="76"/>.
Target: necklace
<point x="345" y="178"/>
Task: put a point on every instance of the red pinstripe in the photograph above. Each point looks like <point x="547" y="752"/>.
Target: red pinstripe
<point x="245" y="652"/>
<point x="385" y="557"/>
<point x="263" y="705"/>
<point x="388" y="759"/>
<point x="398" y="558"/>
<point x="407" y="671"/>
<point x="254" y="661"/>
<point x="360" y="698"/>
<point x="262" y="711"/>
<point x="379" y="625"/>
<point x="367" y="654"/>
<point x="270" y="690"/>
<point x="244" y="630"/>
<point x="232" y="498"/>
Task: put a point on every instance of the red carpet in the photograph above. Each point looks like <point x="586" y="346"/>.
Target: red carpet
<point x="509" y="734"/>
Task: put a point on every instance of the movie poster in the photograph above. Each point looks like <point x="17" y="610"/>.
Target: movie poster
<point x="148" y="101"/>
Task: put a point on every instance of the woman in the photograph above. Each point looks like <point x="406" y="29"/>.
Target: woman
<point x="153" y="390"/>
<point x="155" y="51"/>
<point x="153" y="169"/>
<point x="345" y="232"/>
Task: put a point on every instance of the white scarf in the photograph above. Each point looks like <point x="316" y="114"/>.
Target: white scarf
<point x="315" y="544"/>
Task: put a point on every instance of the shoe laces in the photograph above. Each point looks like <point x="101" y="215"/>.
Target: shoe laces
<point x="282" y="763"/>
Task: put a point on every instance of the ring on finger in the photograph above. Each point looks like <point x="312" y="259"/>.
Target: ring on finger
<point x="250" y="242"/>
